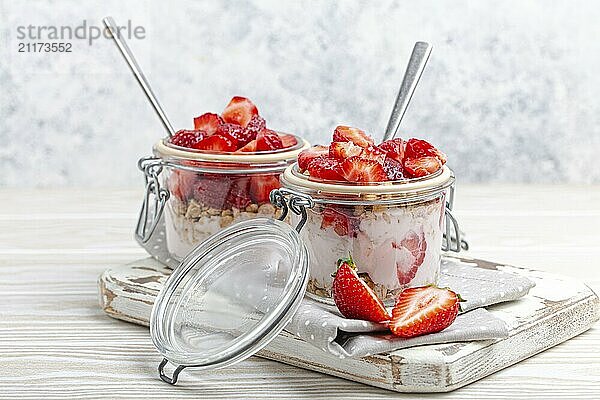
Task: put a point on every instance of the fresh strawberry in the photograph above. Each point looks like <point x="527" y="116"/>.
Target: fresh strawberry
<point x="208" y="123"/>
<point x="342" y="224"/>
<point x="287" y="140"/>
<point x="354" y="135"/>
<point x="324" y="167"/>
<point x="236" y="133"/>
<point x="187" y="138"/>
<point x="417" y="148"/>
<point x="238" y="195"/>
<point x="353" y="297"/>
<point x="256" y="124"/>
<point x="373" y="153"/>
<point x="181" y="183"/>
<point x="394" y="148"/>
<point x="261" y="186"/>
<point x="410" y="255"/>
<point x="423" y="310"/>
<point x="248" y="148"/>
<point x="216" y="142"/>
<point x="356" y="169"/>
<point x="393" y="169"/>
<point x="268" y="140"/>
<point x="423" y="166"/>
<point x="239" y="111"/>
<point x="306" y="156"/>
<point x="343" y="150"/>
<point x="212" y="190"/>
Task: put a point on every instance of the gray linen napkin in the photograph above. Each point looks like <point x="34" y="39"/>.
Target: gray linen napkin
<point x="326" y="329"/>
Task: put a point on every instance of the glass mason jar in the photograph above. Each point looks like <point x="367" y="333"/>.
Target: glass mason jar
<point x="394" y="231"/>
<point x="199" y="193"/>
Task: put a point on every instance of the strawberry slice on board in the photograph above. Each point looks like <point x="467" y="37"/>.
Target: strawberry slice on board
<point x="394" y="148"/>
<point x="261" y="186"/>
<point x="343" y="150"/>
<point x="287" y="140"/>
<point x="417" y="148"/>
<point x="187" y="138"/>
<point x="306" y="156"/>
<point x="239" y="111"/>
<point x="324" y="167"/>
<point x="410" y="256"/>
<point x="422" y="166"/>
<point x="268" y="140"/>
<point x="423" y="310"/>
<point x="208" y="123"/>
<point x="356" y="169"/>
<point x="353" y="297"/>
<point x="217" y="142"/>
<point x="354" y="135"/>
<point x="343" y="224"/>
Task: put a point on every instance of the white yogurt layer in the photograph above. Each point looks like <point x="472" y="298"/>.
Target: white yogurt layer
<point x="376" y="249"/>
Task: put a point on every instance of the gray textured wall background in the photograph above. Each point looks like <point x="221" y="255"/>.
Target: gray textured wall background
<point x="510" y="93"/>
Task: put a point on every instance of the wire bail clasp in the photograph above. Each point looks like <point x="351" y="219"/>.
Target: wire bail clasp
<point x="149" y="216"/>
<point x="287" y="199"/>
<point x="452" y="240"/>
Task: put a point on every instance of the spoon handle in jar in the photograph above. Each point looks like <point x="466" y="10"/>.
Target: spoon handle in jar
<point x="416" y="65"/>
<point x="110" y="24"/>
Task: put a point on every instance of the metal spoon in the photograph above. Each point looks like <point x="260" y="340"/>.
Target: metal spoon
<point x="110" y="24"/>
<point x="416" y="65"/>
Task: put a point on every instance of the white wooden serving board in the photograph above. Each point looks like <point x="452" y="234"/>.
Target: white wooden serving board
<point x="556" y="309"/>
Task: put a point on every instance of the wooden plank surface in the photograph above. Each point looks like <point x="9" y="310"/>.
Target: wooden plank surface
<point x="55" y="342"/>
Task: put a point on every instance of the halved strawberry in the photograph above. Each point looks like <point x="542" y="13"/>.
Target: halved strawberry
<point x="394" y="148"/>
<point x="239" y="111"/>
<point x="306" y="156"/>
<point x="423" y="310"/>
<point x="208" y="122"/>
<point x="343" y="150"/>
<point x="393" y="169"/>
<point x="187" y="138"/>
<point x="417" y="148"/>
<point x="354" y="135"/>
<point x="261" y="186"/>
<point x="248" y="148"/>
<point x="409" y="256"/>
<point x="256" y="124"/>
<point x="343" y="225"/>
<point x="324" y="167"/>
<point x="267" y="140"/>
<point x="287" y="140"/>
<point x="238" y="195"/>
<point x="356" y="169"/>
<point x="353" y="297"/>
<point x="422" y="166"/>
<point x="373" y="153"/>
<point x="217" y="142"/>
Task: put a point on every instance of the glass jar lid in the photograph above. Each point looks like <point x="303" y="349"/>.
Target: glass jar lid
<point x="230" y="296"/>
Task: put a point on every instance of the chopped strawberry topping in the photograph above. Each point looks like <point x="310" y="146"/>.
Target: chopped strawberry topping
<point x="410" y="256"/>
<point x="343" y="150"/>
<point x="234" y="132"/>
<point x="417" y="148"/>
<point x="239" y="111"/>
<point x="394" y="148"/>
<point x="423" y="166"/>
<point x="288" y="140"/>
<point x="249" y="147"/>
<point x="306" y="156"/>
<point x="217" y="142"/>
<point x="356" y="169"/>
<point x="256" y="124"/>
<point x="393" y="169"/>
<point x="354" y="135"/>
<point x="187" y="138"/>
<point x="208" y="123"/>
<point x="342" y="224"/>
<point x="267" y="140"/>
<point x="324" y="167"/>
<point x="373" y="153"/>
<point x="261" y="186"/>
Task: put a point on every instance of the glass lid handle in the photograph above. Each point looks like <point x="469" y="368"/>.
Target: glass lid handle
<point x="151" y="211"/>
<point x="164" y="377"/>
<point x="287" y="200"/>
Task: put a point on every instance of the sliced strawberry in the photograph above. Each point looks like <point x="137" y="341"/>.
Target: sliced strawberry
<point x="342" y="224"/>
<point x="212" y="190"/>
<point x="238" y="195"/>
<point x="354" y="135"/>
<point x="343" y="150"/>
<point x="187" y="138"/>
<point x="181" y="183"/>
<point x="423" y="166"/>
<point x="410" y="255"/>
<point x="239" y="111"/>
<point x="208" y="123"/>
<point x="417" y="148"/>
<point x="324" y="167"/>
<point x="423" y="310"/>
<point x="373" y="153"/>
<point x="353" y="297"/>
<point x="287" y="140"/>
<point x="393" y="169"/>
<point x="217" y="142"/>
<point x="306" y="156"/>
<point x="268" y="140"/>
<point x="256" y="124"/>
<point x="394" y="148"/>
<point x="261" y="186"/>
<point x="250" y="147"/>
<point x="356" y="169"/>
<point x="236" y="133"/>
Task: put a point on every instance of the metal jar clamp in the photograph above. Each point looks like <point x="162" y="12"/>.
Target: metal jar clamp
<point x="149" y="217"/>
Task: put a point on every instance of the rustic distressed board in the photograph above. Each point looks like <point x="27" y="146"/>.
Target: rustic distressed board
<point x="557" y="309"/>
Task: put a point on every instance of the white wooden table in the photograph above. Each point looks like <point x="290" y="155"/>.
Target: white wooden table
<point x="55" y="342"/>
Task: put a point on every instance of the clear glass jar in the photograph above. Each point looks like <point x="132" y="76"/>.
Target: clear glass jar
<point x="392" y="230"/>
<point x="200" y="193"/>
